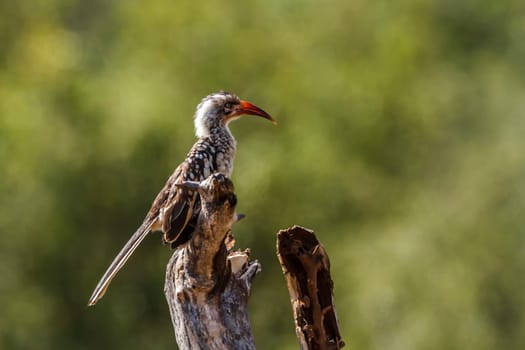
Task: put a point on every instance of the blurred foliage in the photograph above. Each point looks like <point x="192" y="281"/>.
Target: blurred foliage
<point x="400" y="141"/>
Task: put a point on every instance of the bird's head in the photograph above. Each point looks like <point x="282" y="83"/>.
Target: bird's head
<point x="216" y="110"/>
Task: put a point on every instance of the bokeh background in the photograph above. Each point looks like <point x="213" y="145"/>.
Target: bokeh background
<point x="400" y="142"/>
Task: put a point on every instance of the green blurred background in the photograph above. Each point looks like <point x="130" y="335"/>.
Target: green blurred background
<point x="400" y="142"/>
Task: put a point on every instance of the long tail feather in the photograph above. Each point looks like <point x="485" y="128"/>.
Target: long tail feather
<point x="119" y="262"/>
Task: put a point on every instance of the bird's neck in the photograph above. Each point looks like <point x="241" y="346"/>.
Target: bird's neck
<point x="222" y="134"/>
<point x="223" y="148"/>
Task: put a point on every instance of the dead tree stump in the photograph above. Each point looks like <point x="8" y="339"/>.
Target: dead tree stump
<point x="306" y="268"/>
<point x="207" y="283"/>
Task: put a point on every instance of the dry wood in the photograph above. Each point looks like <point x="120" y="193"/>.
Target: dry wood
<point x="306" y="268"/>
<point x="207" y="284"/>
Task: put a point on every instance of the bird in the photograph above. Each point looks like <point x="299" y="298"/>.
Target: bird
<point x="175" y="208"/>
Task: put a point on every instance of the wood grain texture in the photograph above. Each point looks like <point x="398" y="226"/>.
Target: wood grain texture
<point x="306" y="268"/>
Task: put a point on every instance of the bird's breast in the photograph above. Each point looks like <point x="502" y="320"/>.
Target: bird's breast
<point x="209" y="156"/>
<point x="224" y="162"/>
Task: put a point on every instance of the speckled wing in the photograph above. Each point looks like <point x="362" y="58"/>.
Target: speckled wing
<point x="177" y="214"/>
<point x="170" y="213"/>
<point x="176" y="204"/>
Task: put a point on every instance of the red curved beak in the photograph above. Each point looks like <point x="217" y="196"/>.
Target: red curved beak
<point x="251" y="109"/>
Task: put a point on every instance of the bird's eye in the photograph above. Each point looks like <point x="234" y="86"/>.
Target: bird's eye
<point x="228" y="107"/>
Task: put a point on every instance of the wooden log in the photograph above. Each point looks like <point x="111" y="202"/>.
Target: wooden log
<point x="207" y="283"/>
<point x="306" y="268"/>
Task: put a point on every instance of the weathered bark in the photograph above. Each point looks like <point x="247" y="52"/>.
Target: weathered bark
<point x="306" y="268"/>
<point x="207" y="284"/>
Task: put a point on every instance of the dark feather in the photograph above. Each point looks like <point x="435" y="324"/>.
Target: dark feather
<point x="178" y="223"/>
